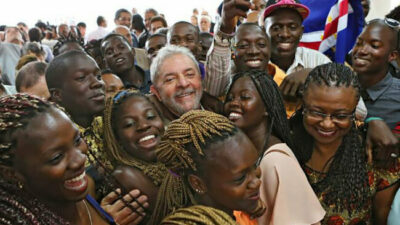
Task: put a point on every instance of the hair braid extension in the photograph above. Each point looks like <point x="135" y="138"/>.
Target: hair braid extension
<point x="116" y="153"/>
<point x="15" y="112"/>
<point x="198" y="215"/>
<point x="346" y="181"/>
<point x="18" y="206"/>
<point x="172" y="192"/>
<point x="193" y="128"/>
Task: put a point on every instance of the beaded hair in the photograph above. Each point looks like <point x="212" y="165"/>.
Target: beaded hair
<point x="172" y="192"/>
<point x="18" y="206"/>
<point x="346" y="181"/>
<point x="198" y="215"/>
<point x="15" y="113"/>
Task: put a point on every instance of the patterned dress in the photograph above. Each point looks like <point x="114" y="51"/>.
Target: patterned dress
<point x="378" y="180"/>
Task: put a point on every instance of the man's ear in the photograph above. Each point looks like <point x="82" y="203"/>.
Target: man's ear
<point x="55" y="95"/>
<point x="197" y="184"/>
<point x="394" y="55"/>
<point x="154" y="90"/>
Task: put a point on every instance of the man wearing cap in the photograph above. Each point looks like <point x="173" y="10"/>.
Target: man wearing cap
<point x="283" y="23"/>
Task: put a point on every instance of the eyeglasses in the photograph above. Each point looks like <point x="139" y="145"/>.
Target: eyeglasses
<point x="339" y="118"/>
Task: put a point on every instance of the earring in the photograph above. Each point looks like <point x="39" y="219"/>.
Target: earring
<point x="266" y="114"/>
<point x="199" y="191"/>
<point x="20" y="185"/>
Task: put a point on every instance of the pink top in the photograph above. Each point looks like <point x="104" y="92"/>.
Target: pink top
<point x="285" y="190"/>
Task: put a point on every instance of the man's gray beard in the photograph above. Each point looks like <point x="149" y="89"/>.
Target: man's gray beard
<point x="177" y="109"/>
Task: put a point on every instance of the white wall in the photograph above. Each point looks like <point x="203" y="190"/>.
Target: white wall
<point x="379" y="8"/>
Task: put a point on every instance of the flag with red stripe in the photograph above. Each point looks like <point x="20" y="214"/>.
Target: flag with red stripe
<point x="332" y="26"/>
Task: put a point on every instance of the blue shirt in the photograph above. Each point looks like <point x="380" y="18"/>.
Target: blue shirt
<point x="383" y="100"/>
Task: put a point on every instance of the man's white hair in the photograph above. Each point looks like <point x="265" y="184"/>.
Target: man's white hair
<point x="165" y="53"/>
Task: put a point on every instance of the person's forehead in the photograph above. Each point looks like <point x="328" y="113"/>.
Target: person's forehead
<point x="77" y="63"/>
<point x="113" y="41"/>
<point x="182" y="29"/>
<point x="124" y="14"/>
<point x="149" y="14"/>
<point x="157" y="22"/>
<point x="379" y="31"/>
<point x="157" y="40"/>
<point x="109" y="78"/>
<point x="249" y="31"/>
<point x="171" y="65"/>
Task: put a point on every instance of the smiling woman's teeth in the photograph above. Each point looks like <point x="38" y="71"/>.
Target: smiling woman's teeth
<point x="254" y="62"/>
<point x="75" y="179"/>
<point x="234" y="115"/>
<point x="77" y="184"/>
<point x="149" y="137"/>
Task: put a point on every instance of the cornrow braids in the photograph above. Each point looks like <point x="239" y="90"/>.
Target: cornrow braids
<point x="333" y="75"/>
<point x="71" y="38"/>
<point x="187" y="137"/>
<point x="172" y="193"/>
<point x="16" y="205"/>
<point x="346" y="182"/>
<point x="15" y="113"/>
<point x="273" y="102"/>
<point x="198" y="215"/>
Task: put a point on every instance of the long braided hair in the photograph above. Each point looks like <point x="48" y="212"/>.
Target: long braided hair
<point x="273" y="102"/>
<point x="18" y="206"/>
<point x="346" y="182"/>
<point x="186" y="138"/>
<point x="171" y="194"/>
<point x="182" y="147"/>
<point x="198" y="215"/>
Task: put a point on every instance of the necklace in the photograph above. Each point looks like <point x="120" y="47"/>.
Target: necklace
<point x="88" y="212"/>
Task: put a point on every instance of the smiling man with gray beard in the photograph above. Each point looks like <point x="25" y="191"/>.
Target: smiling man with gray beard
<point x="177" y="86"/>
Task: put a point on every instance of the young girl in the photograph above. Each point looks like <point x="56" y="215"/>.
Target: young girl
<point x="216" y="160"/>
<point x="42" y="164"/>
<point x="255" y="105"/>
<point x="132" y="131"/>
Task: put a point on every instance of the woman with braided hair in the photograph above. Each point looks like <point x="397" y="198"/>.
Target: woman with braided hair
<point x="132" y="131"/>
<point x="255" y="105"/>
<point x="42" y="165"/>
<point x="217" y="162"/>
<point x="332" y="151"/>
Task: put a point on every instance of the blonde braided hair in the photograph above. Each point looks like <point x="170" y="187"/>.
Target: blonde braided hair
<point x="117" y="155"/>
<point x="193" y="128"/>
<point x="198" y="215"/>
<point x="172" y="192"/>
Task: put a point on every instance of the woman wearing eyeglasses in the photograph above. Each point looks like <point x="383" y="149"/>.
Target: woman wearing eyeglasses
<point x="332" y="151"/>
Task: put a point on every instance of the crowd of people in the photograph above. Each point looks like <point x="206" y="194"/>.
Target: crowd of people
<point x="199" y="122"/>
